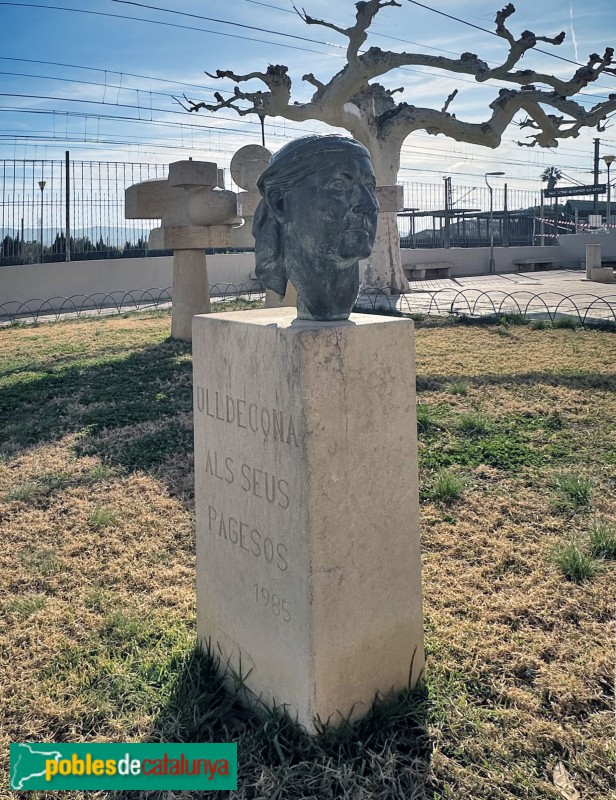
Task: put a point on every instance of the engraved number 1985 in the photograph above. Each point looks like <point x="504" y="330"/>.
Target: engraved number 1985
<point x="276" y="604"/>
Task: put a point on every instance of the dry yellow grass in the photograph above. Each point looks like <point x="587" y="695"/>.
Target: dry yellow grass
<point x="97" y="563"/>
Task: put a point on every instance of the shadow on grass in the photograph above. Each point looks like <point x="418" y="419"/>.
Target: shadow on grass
<point x="134" y="412"/>
<point x="573" y="380"/>
<point x="385" y="755"/>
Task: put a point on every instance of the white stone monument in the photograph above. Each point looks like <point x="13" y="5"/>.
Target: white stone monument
<point x="308" y="553"/>
<point x="195" y="214"/>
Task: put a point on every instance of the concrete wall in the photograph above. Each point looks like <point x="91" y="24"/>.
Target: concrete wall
<point x="21" y="284"/>
<point x="573" y="247"/>
<point x="476" y="260"/>
<point x="570" y="252"/>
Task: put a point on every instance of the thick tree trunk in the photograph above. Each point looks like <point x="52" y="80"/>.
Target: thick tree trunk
<point x="384" y="267"/>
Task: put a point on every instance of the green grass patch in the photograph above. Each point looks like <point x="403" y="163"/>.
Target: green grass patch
<point x="23" y="493"/>
<point x="602" y="540"/>
<point x="101" y="473"/>
<point x="458" y="387"/>
<point x="574" y="490"/>
<point x="26" y="605"/>
<point x="566" y="323"/>
<point x="499" y="450"/>
<point x="98" y="599"/>
<point x="475" y="424"/>
<point x="447" y="488"/>
<point x="575" y="564"/>
<point x="236" y="305"/>
<point x="102" y="517"/>
<point x="428" y="418"/>
<point x="503" y="330"/>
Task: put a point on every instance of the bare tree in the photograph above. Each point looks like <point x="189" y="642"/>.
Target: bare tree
<point x="368" y="111"/>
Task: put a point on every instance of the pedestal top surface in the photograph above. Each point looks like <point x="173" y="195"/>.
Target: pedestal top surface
<point x="286" y="318"/>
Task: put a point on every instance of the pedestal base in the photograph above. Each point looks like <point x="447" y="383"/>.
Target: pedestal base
<point x="308" y="557"/>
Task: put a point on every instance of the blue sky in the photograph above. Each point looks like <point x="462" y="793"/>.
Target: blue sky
<point x="113" y="98"/>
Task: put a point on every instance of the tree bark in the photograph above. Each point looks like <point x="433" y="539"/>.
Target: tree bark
<point x="383" y="269"/>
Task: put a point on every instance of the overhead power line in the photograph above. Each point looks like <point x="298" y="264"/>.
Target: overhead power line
<point x="105" y="71"/>
<point x="246" y="38"/>
<point x="226" y="22"/>
<point x="331" y="44"/>
<point x="486" y="30"/>
<point x="165" y="24"/>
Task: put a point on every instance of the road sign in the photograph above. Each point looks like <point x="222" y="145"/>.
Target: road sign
<point x="570" y="191"/>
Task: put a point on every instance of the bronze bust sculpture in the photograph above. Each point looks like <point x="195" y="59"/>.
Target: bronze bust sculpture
<point x="316" y="220"/>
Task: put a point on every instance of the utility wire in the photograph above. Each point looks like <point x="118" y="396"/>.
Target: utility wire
<point x="373" y="31"/>
<point x="113" y="71"/>
<point x="196" y="126"/>
<point x="227" y="22"/>
<point x="492" y="33"/>
<point x="330" y="44"/>
<point x="236" y="36"/>
<point x="165" y="24"/>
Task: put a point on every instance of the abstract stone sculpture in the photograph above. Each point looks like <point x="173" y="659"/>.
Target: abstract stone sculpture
<point x="246" y="166"/>
<point x="316" y="221"/>
<point x="196" y="213"/>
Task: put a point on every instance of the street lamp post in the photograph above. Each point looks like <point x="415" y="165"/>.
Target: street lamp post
<point x="492" y="264"/>
<point x="608" y="161"/>
<point x="42" y="188"/>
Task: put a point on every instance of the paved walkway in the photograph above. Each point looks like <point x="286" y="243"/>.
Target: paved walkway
<point x="538" y="295"/>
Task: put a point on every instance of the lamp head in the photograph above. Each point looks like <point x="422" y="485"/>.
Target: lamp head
<point x="42" y="185"/>
<point x="609" y="159"/>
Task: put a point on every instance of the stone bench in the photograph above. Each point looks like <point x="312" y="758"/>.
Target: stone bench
<point x="436" y="269"/>
<point x="534" y="263"/>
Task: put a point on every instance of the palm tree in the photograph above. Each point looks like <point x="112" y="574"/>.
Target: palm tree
<point x="551" y="176"/>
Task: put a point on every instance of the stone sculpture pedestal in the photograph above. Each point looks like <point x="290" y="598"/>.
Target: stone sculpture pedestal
<point x="308" y="557"/>
<point x="593" y="259"/>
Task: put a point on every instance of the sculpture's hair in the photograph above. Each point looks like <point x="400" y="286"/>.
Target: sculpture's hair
<point x="290" y="165"/>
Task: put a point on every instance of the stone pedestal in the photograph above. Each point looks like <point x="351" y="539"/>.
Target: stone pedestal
<point x="191" y="291"/>
<point x="593" y="259"/>
<point x="308" y="557"/>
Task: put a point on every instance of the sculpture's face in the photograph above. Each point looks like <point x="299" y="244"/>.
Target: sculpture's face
<point x="333" y="212"/>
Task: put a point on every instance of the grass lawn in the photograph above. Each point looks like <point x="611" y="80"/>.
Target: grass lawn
<point x="518" y="486"/>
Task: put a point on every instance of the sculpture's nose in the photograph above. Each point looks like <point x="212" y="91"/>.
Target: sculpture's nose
<point x="366" y="202"/>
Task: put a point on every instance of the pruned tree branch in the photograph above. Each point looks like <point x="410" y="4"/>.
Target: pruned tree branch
<point x="448" y="101"/>
<point x="353" y="100"/>
<point x="356" y="34"/>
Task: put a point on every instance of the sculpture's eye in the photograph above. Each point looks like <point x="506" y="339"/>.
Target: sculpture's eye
<point x="342" y="181"/>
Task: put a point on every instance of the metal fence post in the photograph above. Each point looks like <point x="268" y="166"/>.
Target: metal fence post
<point x="67" y="233"/>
